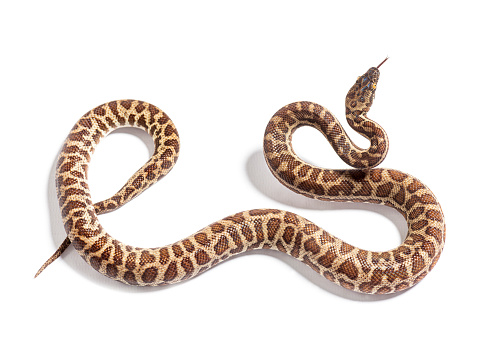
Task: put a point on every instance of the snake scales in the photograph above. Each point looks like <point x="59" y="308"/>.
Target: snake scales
<point x="353" y="268"/>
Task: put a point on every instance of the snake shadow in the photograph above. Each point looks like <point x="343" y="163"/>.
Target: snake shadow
<point x="264" y="181"/>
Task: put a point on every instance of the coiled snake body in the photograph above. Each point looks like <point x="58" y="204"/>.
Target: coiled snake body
<point x="354" y="268"/>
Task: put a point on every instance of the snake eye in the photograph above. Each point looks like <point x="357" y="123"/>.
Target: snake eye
<point x="374" y="86"/>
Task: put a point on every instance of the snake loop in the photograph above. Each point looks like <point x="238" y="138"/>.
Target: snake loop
<point x="351" y="267"/>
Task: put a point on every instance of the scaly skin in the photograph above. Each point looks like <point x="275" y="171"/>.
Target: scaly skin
<point x="359" y="270"/>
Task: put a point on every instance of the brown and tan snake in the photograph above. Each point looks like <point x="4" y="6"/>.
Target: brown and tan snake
<point x="351" y="267"/>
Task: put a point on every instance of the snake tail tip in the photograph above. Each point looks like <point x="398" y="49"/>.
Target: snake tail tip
<point x="38" y="273"/>
<point x="47" y="263"/>
<point x="65" y="244"/>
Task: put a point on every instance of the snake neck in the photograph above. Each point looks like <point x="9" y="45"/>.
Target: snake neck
<point x="293" y="116"/>
<point x="358" y="102"/>
<point x="371" y="130"/>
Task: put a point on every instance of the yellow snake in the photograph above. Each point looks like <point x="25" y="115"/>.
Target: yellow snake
<point x="351" y="267"/>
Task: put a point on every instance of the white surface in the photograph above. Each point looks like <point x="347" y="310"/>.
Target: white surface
<point x="221" y="70"/>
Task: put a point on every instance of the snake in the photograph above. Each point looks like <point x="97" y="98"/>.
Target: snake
<point x="364" y="271"/>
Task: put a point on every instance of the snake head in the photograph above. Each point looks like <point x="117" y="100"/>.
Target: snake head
<point x="360" y="97"/>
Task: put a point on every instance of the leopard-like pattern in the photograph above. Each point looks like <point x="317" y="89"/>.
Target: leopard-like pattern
<point x="351" y="267"/>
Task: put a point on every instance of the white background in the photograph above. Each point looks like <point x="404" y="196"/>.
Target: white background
<point x="220" y="70"/>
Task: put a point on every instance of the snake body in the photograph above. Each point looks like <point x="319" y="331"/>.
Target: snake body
<point x="353" y="268"/>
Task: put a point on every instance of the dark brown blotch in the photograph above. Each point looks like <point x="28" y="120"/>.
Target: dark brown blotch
<point x="417" y="263"/>
<point x="288" y="234"/>
<point x="327" y="259"/>
<point x="98" y="244"/>
<point x="273" y="226"/>
<point x="95" y="262"/>
<point x="146" y="258"/>
<point x="111" y="270"/>
<point x="188" y="267"/>
<point x="201" y="257"/>
<point x="310" y="228"/>
<point x="344" y="188"/>
<point x="222" y="245"/>
<point x="171" y="272"/>
<point x="126" y="104"/>
<point x="149" y="275"/>
<point x="312" y="246"/>
<point x="385" y="189"/>
<point x="202" y="239"/>
<point x="129" y="278"/>
<point x="130" y="261"/>
<point x="164" y="256"/>
<point x="188" y="245"/>
<point x="349" y="269"/>
<point x="177" y="250"/>
<point x="140" y="107"/>
<point x="434" y="215"/>
<point x="217" y="228"/>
